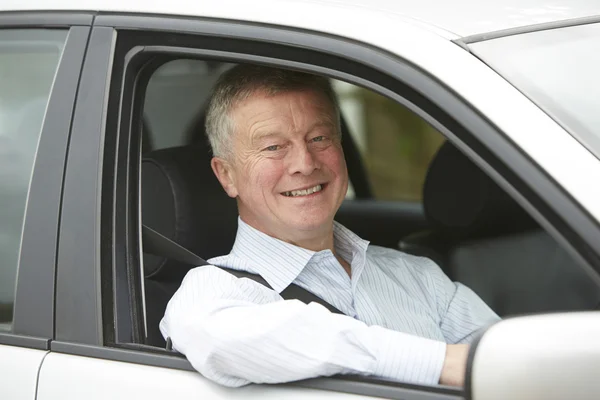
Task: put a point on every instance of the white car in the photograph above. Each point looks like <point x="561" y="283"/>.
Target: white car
<point x="101" y="146"/>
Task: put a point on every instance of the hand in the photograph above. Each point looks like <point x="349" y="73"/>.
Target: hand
<point x="455" y="365"/>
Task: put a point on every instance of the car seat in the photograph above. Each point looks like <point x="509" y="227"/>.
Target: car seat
<point x="482" y="238"/>
<point x="182" y="200"/>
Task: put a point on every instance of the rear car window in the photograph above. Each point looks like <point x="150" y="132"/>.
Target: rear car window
<point x="28" y="62"/>
<point x="395" y="144"/>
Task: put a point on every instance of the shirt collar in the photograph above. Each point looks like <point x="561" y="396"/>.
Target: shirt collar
<point x="279" y="262"/>
<point x="347" y="243"/>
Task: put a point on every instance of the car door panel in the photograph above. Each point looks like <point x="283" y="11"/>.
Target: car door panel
<point x="78" y="250"/>
<point x="67" y="377"/>
<point x="19" y="367"/>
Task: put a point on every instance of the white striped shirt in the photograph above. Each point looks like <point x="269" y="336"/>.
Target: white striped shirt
<point x="401" y="310"/>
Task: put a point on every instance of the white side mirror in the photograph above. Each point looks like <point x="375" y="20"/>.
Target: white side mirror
<point x="545" y="357"/>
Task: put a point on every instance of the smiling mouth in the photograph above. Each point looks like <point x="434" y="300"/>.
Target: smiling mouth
<point x="304" y="192"/>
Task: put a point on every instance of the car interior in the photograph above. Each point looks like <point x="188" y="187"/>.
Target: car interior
<point x="464" y="221"/>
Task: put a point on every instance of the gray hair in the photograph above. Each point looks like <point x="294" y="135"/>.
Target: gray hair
<point x="244" y="80"/>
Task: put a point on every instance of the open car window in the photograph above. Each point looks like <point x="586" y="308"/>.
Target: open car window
<point x="497" y="249"/>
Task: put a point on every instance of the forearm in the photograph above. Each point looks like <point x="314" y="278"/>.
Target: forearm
<point x="455" y="365"/>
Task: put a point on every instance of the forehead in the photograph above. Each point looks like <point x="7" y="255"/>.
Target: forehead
<point x="260" y="103"/>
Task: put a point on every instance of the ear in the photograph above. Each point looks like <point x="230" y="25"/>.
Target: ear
<point x="224" y="172"/>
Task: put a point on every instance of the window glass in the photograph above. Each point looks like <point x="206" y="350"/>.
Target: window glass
<point x="176" y="97"/>
<point x="396" y="145"/>
<point x="28" y="64"/>
<point x="558" y="70"/>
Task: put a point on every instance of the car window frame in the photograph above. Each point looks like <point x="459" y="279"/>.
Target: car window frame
<point x="33" y="313"/>
<point x="458" y="121"/>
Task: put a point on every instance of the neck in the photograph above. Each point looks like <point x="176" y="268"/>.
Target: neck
<point x="317" y="239"/>
<point x="313" y="240"/>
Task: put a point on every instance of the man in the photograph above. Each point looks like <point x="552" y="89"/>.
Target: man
<point x="275" y="135"/>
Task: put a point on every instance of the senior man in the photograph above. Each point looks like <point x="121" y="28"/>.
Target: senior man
<point x="276" y="140"/>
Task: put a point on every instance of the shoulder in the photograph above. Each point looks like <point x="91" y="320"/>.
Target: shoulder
<point x="394" y="255"/>
<point x="211" y="282"/>
<point x="398" y="260"/>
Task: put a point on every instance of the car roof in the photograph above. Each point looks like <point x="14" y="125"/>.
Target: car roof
<point x="457" y="18"/>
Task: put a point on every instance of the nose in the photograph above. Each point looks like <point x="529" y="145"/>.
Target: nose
<point x="302" y="161"/>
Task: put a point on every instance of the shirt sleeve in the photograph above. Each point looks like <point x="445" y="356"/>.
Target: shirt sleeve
<point x="235" y="331"/>
<point x="463" y="313"/>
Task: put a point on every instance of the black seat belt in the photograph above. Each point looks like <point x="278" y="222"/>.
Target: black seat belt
<point x="160" y="245"/>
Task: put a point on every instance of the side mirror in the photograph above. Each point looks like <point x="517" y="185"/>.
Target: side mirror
<point x="551" y="356"/>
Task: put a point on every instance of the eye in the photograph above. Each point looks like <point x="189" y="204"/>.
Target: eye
<point x="319" y="138"/>
<point x="274" y="147"/>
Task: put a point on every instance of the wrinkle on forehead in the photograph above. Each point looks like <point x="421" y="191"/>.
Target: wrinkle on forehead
<point x="280" y="114"/>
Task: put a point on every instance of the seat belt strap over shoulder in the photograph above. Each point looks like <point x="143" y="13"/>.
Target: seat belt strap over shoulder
<point x="160" y="245"/>
<point x="293" y="291"/>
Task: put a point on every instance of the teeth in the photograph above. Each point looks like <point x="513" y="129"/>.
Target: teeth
<point x="305" y="192"/>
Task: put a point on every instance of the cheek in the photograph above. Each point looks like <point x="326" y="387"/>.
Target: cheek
<point x="262" y="177"/>
<point x="335" y="161"/>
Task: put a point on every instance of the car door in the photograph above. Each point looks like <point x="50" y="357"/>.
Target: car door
<point x="100" y="348"/>
<point x="40" y="59"/>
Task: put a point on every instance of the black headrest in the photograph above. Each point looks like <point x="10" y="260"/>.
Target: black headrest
<point x="183" y="200"/>
<point x="462" y="201"/>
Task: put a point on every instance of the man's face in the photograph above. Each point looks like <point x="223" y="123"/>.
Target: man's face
<point x="288" y="170"/>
